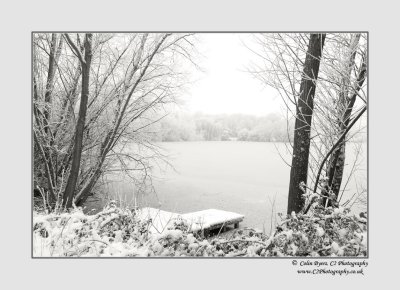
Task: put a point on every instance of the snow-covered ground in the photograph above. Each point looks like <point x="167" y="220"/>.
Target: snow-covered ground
<point x="116" y="232"/>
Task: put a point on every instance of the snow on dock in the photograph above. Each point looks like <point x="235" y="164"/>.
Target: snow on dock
<point x="210" y="219"/>
<point x="204" y="220"/>
<point x="160" y="219"/>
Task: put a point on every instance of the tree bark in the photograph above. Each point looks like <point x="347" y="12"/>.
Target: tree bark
<point x="77" y="151"/>
<point x="304" y="111"/>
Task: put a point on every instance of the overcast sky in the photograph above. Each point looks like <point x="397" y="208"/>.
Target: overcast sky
<point x="225" y="86"/>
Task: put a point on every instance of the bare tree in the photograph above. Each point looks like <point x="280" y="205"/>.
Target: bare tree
<point x="134" y="78"/>
<point x="341" y="77"/>
<point x="304" y="113"/>
<point x="347" y="96"/>
<point x="78" y="137"/>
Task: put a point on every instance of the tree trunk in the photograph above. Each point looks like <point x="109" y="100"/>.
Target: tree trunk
<point x="76" y="155"/>
<point x="304" y="111"/>
<point x="43" y="119"/>
<point x="50" y="81"/>
<point x="53" y="62"/>
<point x="112" y="137"/>
<point x="344" y="110"/>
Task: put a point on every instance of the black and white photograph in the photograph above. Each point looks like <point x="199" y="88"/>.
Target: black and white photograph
<point x="188" y="144"/>
<point x="199" y="144"/>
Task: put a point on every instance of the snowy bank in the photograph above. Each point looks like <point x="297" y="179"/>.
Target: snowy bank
<point x="117" y="232"/>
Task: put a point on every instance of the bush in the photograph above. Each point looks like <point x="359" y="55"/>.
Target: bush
<point x="119" y="232"/>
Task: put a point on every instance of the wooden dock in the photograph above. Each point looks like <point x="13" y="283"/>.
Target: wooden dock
<point x="203" y="221"/>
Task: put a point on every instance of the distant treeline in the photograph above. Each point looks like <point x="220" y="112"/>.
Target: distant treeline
<point x="235" y="127"/>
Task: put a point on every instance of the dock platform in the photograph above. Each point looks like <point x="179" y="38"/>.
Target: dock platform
<point x="204" y="220"/>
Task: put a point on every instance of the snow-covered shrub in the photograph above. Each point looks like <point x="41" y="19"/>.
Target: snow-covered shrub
<point x="119" y="232"/>
<point x="328" y="232"/>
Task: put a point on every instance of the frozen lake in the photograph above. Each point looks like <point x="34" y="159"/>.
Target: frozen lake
<point x="243" y="177"/>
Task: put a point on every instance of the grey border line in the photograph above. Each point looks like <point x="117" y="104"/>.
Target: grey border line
<point x="210" y="32"/>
